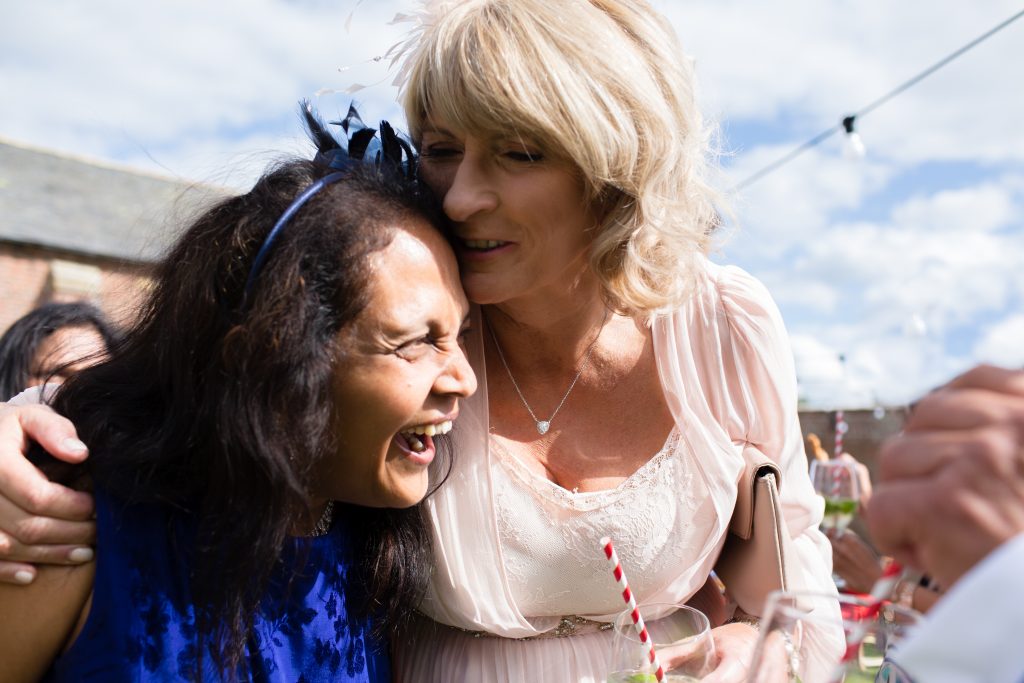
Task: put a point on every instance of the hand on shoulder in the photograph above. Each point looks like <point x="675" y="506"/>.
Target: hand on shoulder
<point x="40" y="522"/>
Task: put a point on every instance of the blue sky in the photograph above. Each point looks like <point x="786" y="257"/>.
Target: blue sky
<point x="909" y="263"/>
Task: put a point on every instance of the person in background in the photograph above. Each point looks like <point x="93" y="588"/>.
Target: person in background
<point x="51" y="343"/>
<point x="854" y="560"/>
<point x="259" y="441"/>
<point x="861" y="567"/>
<point x="949" y="500"/>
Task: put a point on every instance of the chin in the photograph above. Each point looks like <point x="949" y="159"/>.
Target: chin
<point x="481" y="288"/>
<point x="400" y="502"/>
<point x="483" y="295"/>
<point x="406" y="494"/>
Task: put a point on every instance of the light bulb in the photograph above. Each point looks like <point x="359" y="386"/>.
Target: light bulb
<point x="854" y="148"/>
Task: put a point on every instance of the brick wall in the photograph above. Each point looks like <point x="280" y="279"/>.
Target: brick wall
<point x="32" y="275"/>
<point x="864" y="436"/>
<point x="866" y="432"/>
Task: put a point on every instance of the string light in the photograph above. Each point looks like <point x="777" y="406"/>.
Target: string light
<point x="847" y="123"/>
<point x="854" y="145"/>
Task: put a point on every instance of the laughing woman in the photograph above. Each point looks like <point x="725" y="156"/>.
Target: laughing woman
<point x="279" y="394"/>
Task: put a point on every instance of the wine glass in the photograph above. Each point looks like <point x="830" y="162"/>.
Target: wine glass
<point x="836" y="482"/>
<point x="682" y="639"/>
<point x="794" y="619"/>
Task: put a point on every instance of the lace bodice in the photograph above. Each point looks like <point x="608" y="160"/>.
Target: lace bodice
<point x="550" y="536"/>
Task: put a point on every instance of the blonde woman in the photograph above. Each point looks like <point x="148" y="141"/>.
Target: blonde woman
<point x="621" y="373"/>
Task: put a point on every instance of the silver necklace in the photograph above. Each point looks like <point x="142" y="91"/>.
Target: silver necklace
<point x="544" y="425"/>
<point x="324" y="523"/>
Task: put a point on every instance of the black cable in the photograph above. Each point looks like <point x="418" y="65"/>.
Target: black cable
<point x="827" y="133"/>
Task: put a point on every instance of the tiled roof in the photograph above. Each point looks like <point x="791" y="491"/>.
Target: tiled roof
<point x="63" y="202"/>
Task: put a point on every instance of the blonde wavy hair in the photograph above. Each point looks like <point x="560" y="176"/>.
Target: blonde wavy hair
<point x="601" y="83"/>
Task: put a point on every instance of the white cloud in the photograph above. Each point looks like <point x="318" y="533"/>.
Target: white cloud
<point x="814" y="62"/>
<point x="810" y="296"/>
<point x="927" y="227"/>
<point x="117" y="80"/>
<point x="1003" y="342"/>
<point x="794" y="207"/>
<point x="967" y="210"/>
<point x="898" y="296"/>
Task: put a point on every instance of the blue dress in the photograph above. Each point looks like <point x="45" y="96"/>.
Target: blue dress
<point x="141" y="624"/>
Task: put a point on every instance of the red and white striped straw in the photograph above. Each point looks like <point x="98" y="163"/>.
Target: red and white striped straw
<point x="880" y="592"/>
<point x="627" y="595"/>
<point x="840" y="431"/>
<point x="837" y="480"/>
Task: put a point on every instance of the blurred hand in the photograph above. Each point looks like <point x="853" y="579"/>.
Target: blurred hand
<point x="951" y="486"/>
<point x="855" y="561"/>
<point x="734" y="644"/>
<point x="40" y="522"/>
<point x="863" y="480"/>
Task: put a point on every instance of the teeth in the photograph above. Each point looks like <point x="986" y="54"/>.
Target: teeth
<point x="415" y="444"/>
<point x="482" y="244"/>
<point x="428" y="430"/>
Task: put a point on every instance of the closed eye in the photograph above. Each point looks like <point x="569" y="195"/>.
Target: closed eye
<point x="439" y="152"/>
<point x="524" y="156"/>
<point x="414" y="348"/>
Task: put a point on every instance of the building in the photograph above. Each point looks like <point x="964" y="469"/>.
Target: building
<point x="73" y="229"/>
<point x="866" y="430"/>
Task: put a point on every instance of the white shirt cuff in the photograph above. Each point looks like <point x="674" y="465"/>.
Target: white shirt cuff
<point x="974" y="632"/>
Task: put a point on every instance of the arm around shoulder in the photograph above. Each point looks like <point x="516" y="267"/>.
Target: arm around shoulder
<point x="40" y="521"/>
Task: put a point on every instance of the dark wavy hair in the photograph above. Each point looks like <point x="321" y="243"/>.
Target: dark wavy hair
<point x="21" y="341"/>
<point x="218" y="401"/>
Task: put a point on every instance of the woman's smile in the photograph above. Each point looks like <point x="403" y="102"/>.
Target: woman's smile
<point x="417" y="443"/>
<point x="482" y="251"/>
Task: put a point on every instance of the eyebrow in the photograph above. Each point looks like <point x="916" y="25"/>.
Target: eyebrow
<point x="431" y="128"/>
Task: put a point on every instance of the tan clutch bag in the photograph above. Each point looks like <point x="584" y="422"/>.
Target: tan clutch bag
<point x="753" y="560"/>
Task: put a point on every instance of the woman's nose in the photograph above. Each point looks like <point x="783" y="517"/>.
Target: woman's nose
<point x="470" y="192"/>
<point x="458" y="377"/>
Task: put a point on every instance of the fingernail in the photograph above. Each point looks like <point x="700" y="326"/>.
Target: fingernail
<point x="23" y="576"/>
<point x="74" y="446"/>
<point x="81" y="555"/>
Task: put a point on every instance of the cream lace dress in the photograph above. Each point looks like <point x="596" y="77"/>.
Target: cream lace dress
<point x="517" y="556"/>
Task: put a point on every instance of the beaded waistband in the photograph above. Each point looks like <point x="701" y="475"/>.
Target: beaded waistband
<point x="568" y="626"/>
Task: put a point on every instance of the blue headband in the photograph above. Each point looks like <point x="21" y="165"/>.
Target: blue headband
<point x="363" y="147"/>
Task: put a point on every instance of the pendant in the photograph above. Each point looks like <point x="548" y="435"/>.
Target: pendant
<point x="542" y="426"/>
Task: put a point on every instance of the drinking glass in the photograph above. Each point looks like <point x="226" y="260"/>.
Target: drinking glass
<point x="682" y="639"/>
<point x="836" y="482"/>
<point x="794" y="619"/>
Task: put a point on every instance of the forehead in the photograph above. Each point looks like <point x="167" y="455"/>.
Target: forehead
<point x="415" y="277"/>
<point x="67" y="345"/>
<point x="438" y="124"/>
<point x="71" y="339"/>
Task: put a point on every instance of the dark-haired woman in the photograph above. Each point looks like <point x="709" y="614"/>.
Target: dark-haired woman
<point x="50" y="343"/>
<point x="281" y="391"/>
